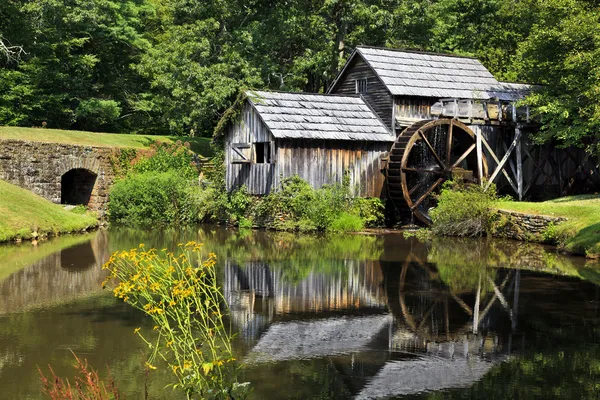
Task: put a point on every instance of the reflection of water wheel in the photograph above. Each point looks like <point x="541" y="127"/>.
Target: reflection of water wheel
<point x="424" y="156"/>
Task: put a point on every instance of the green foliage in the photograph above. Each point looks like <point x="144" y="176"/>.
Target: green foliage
<point x="562" y="53"/>
<point x="177" y="66"/>
<point x="371" y="210"/>
<point x="121" y="161"/>
<point x="157" y="197"/>
<point x="463" y="210"/>
<point x="346" y="222"/>
<point x="166" y="157"/>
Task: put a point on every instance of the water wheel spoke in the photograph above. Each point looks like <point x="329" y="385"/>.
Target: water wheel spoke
<point x="414" y="188"/>
<point x="464" y="155"/>
<point x="427" y="193"/>
<point x="432" y="150"/>
<point x="436" y="171"/>
<point x="449" y="143"/>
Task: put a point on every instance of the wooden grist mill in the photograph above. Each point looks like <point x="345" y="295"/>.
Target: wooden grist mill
<point x="399" y="124"/>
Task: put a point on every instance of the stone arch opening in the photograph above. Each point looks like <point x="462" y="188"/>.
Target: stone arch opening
<point x="76" y="186"/>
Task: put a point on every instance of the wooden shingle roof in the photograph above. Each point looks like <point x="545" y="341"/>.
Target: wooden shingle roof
<point x="317" y="116"/>
<point x="407" y="73"/>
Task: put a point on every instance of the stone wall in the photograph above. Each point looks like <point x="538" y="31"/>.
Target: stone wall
<point x="522" y="226"/>
<point x="40" y="167"/>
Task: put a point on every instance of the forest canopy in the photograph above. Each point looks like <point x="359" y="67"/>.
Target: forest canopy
<point x="172" y="66"/>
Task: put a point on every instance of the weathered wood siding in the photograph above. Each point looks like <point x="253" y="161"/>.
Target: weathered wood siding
<point x="321" y="162"/>
<point x="258" y="178"/>
<point x="378" y="97"/>
<point x="411" y="109"/>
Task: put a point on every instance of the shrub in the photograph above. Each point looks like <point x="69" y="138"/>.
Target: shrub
<point x="371" y="210"/>
<point x="165" y="157"/>
<point x="463" y="210"/>
<point x="346" y="222"/>
<point x="159" y="157"/>
<point x="163" y="197"/>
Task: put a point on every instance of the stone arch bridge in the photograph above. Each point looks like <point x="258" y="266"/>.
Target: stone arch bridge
<point x="61" y="173"/>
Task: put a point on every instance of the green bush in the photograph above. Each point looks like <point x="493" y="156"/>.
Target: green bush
<point x="463" y="210"/>
<point x="165" y="157"/>
<point x="346" y="222"/>
<point x="371" y="210"/>
<point x="296" y="206"/>
<point x="159" y="197"/>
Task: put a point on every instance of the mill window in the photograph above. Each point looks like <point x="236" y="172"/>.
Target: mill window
<point x="262" y="152"/>
<point x="361" y="85"/>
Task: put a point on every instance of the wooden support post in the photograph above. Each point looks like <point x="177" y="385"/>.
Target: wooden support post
<point x="500" y="166"/>
<point x="478" y="138"/>
<point x="519" y="162"/>
<point x="476" y="308"/>
<point x="515" y="305"/>
<point x="493" y="155"/>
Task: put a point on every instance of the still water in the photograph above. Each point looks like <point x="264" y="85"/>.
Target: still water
<point x="352" y="317"/>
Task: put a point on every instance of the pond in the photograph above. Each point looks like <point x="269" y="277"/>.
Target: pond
<point x="341" y="317"/>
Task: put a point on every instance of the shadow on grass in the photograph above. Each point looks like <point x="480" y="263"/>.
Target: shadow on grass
<point x="579" y="197"/>
<point x="587" y="239"/>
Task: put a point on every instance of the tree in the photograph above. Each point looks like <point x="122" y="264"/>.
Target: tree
<point x="562" y="54"/>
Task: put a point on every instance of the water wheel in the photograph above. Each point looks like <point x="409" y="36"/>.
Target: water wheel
<point x="424" y="156"/>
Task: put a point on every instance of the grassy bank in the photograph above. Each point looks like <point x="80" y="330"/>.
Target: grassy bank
<point x="198" y="145"/>
<point x="23" y="213"/>
<point x="581" y="233"/>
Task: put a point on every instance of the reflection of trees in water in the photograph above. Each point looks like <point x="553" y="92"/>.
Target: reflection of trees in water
<point x="302" y="253"/>
<point x="454" y="254"/>
<point x="63" y="275"/>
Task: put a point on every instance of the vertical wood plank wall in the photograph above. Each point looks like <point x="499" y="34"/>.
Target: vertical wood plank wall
<point x="378" y="97"/>
<point x="321" y="162"/>
<point x="411" y="109"/>
<point x="258" y="178"/>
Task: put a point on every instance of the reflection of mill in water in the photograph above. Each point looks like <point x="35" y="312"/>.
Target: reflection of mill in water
<point x="413" y="331"/>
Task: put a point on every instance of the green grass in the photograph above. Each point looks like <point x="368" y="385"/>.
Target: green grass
<point x="198" y="145"/>
<point x="581" y="233"/>
<point x="23" y="212"/>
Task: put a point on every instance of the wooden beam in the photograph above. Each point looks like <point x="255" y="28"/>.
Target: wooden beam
<point x="505" y="158"/>
<point x="476" y="308"/>
<point x="493" y="155"/>
<point x="478" y="138"/>
<point x="427" y="193"/>
<point x="449" y="143"/>
<point x="519" y="164"/>
<point x="437" y="158"/>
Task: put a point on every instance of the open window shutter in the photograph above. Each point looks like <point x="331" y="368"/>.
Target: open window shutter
<point x="240" y="153"/>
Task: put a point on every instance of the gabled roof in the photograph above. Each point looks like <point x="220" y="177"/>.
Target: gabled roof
<point x="408" y="73"/>
<point x="316" y="116"/>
